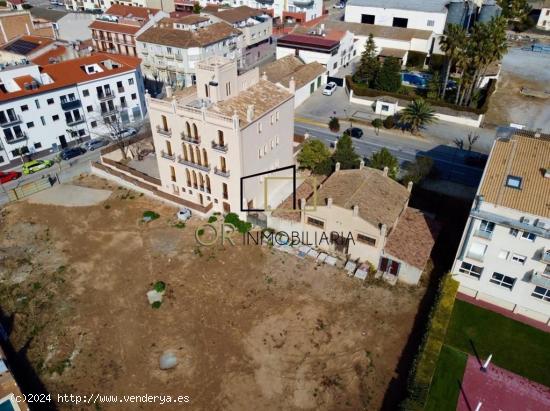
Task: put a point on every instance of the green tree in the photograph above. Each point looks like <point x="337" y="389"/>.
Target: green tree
<point x="313" y="153"/>
<point x="334" y="124"/>
<point x="384" y="158"/>
<point x="451" y="44"/>
<point x="389" y="76"/>
<point x="417" y="114"/>
<point x="377" y="123"/>
<point x="368" y="65"/>
<point x="515" y="9"/>
<point x="325" y="167"/>
<point x="197" y="8"/>
<point x="434" y="85"/>
<point x="345" y="153"/>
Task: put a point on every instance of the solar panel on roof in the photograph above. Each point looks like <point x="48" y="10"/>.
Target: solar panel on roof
<point x="21" y="47"/>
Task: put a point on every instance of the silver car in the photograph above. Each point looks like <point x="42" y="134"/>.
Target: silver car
<point x="94" y="143"/>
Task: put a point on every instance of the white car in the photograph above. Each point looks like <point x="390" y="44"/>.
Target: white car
<point x="184" y="214"/>
<point x="339" y="6"/>
<point x="329" y="88"/>
<point x="124" y="133"/>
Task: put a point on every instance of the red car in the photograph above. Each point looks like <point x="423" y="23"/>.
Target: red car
<point x="9" y="176"/>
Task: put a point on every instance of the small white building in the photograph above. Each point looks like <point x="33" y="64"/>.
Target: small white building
<point x="45" y="108"/>
<point x="543" y="22"/>
<point x="504" y="254"/>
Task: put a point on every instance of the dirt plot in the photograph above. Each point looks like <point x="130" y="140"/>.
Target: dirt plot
<point x="252" y="328"/>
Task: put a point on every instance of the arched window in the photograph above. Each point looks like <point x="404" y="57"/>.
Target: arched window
<point x="188" y="175"/>
<point x="194" y="179"/>
<point x="195" y="132"/>
<point x="188" y="129"/>
<point x="191" y="154"/>
<point x="184" y="148"/>
<point x="221" y="141"/>
<point x="201" y="181"/>
<point x="204" y="157"/>
<point x="198" y="154"/>
<point x="207" y="184"/>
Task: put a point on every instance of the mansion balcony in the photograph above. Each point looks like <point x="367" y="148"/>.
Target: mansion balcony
<point x="220" y="172"/>
<point x="190" y="139"/>
<point x="166" y="132"/>
<point x="219" y="147"/>
<point x="167" y="156"/>
<point x="205" y="168"/>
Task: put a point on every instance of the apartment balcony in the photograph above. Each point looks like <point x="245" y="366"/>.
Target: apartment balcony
<point x="545" y="258"/>
<point x="70" y="104"/>
<point x="540" y="279"/>
<point x="270" y="2"/>
<point x="220" y="172"/>
<point x="164" y="132"/>
<point x="219" y="147"/>
<point x="200" y="167"/>
<point x="109" y="112"/>
<point x="106" y="96"/>
<point x="204" y="189"/>
<point x="487" y="235"/>
<point x="179" y="57"/>
<point x="190" y="139"/>
<point x="10" y="121"/>
<point x="475" y="256"/>
<point x="167" y="156"/>
<point x="76" y="121"/>
<point x="303" y="3"/>
<point x="144" y="53"/>
<point x="19" y="137"/>
<point x="169" y="56"/>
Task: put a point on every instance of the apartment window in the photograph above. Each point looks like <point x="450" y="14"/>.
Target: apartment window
<point x="130" y="81"/>
<point x="169" y="50"/>
<point x="277" y="140"/>
<point x="514" y="232"/>
<point x="93" y="124"/>
<point x="224" y="191"/>
<point x="119" y="86"/>
<point x="85" y="93"/>
<point x="24" y="107"/>
<point x="315" y="222"/>
<point x="367" y="18"/>
<point x="37" y="145"/>
<point x="541" y="293"/>
<point x="259" y="127"/>
<point x="49" y="101"/>
<point x="519" y="258"/>
<point x="259" y="153"/>
<point x="470" y="269"/>
<point x="37" y="103"/>
<point x="335" y="65"/>
<point x="431" y="23"/>
<point x="81" y="132"/>
<point x="526" y="235"/>
<point x="89" y="109"/>
<point x="55" y="117"/>
<point x="228" y="89"/>
<point x="513" y="182"/>
<point x="487" y="226"/>
<point x="503" y="254"/>
<point x="43" y="120"/>
<point x="134" y="96"/>
<point x="30" y="124"/>
<point x="366" y="239"/>
<point x="272" y="144"/>
<point x="272" y="119"/>
<point x="400" y="22"/>
<point x="276" y="116"/>
<point x="172" y="173"/>
<point x="503" y="280"/>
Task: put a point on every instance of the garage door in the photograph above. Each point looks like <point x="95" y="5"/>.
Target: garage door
<point x="338" y="80"/>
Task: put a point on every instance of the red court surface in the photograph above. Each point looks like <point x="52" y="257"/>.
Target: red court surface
<point x="500" y="390"/>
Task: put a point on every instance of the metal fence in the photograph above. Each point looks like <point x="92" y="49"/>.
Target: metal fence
<point x="30" y="188"/>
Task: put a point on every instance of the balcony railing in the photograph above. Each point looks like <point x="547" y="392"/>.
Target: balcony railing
<point x="74" y="122"/>
<point x="219" y="147"/>
<point x="540" y="279"/>
<point x="546" y="256"/>
<point x="484" y="234"/>
<point x="167" y="132"/>
<point x="9" y="121"/>
<point x="220" y="172"/>
<point x="194" y="165"/>
<point x="106" y="96"/>
<point x="303" y="3"/>
<point x="179" y="57"/>
<point x="19" y="137"/>
<point x="167" y="156"/>
<point x="108" y="112"/>
<point x="475" y="256"/>
<point x="121" y="89"/>
<point x="190" y="139"/>
<point x="204" y="189"/>
<point x="70" y="104"/>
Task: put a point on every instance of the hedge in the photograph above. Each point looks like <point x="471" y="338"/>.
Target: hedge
<point x="416" y="59"/>
<point x="362" y="90"/>
<point x="424" y="366"/>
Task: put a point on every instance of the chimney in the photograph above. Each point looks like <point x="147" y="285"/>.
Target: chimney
<point x="361" y="164"/>
<point x="386" y="170"/>
<point x="250" y="113"/>
<point x="264" y="76"/>
<point x="355" y="210"/>
<point x="410" y="187"/>
<point x="169" y="93"/>
<point x="292" y="85"/>
<point x="383" y="230"/>
<point x="329" y="202"/>
<point x="337" y="167"/>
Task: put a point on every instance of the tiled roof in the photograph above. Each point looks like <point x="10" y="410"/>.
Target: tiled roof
<point x="127" y="11"/>
<point x="303" y="191"/>
<point x="387" y="32"/>
<point x="190" y="19"/>
<point x="389" y="52"/>
<point x="44" y="59"/>
<point x="235" y="14"/>
<point x="307" y="40"/>
<point x="413" y="238"/>
<point x="522" y="155"/>
<point x="380" y="199"/>
<point x="71" y="72"/>
<point x="264" y="96"/>
<point x="283" y="69"/>
<point x="114" y="27"/>
<point x="201" y="37"/>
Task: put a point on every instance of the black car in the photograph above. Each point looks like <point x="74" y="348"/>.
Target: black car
<point x="354" y="132"/>
<point x="69" y="153"/>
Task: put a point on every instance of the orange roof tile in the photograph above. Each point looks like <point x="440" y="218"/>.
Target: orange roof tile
<point x="114" y="27"/>
<point x="52" y="54"/>
<point x="126" y="11"/>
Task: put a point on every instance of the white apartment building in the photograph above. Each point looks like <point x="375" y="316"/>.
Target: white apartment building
<point x="299" y="11"/>
<point x="226" y="127"/>
<point x="504" y="254"/>
<point x="95" y="5"/>
<point x="45" y="108"/>
<point x="544" y="17"/>
<point x="171" y="49"/>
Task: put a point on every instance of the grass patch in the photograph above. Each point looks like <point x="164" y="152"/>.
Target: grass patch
<point x="151" y="215"/>
<point x="179" y="224"/>
<point x="515" y="346"/>
<point x="445" y="387"/>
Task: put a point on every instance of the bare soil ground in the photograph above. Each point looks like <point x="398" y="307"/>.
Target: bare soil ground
<point x="253" y="328"/>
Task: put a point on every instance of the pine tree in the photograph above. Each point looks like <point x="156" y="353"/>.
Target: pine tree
<point x="345" y="153"/>
<point x="369" y="65"/>
<point x="313" y="153"/>
<point x="389" y="76"/>
<point x="384" y="158"/>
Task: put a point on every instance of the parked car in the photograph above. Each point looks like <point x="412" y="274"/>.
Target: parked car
<point x="69" y="153"/>
<point x="94" y="143"/>
<point x="329" y="88"/>
<point x="339" y="6"/>
<point x="124" y="133"/>
<point x="184" y="214"/>
<point x="354" y="132"/>
<point x="36" y="165"/>
<point x="8" y="176"/>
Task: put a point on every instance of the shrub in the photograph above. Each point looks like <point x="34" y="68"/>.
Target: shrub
<point x="241" y="226"/>
<point x="212" y="219"/>
<point x="437" y="61"/>
<point x="377" y="123"/>
<point x="389" y="122"/>
<point x="26" y="6"/>
<point x="156" y="305"/>
<point x="150" y="214"/>
<point x="416" y="59"/>
<point x="334" y="124"/>
<point x="159" y="286"/>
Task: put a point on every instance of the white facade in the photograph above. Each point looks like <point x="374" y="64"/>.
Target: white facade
<point x="81" y="5"/>
<point x="43" y="122"/>
<point x="312" y="9"/>
<point x="544" y="19"/>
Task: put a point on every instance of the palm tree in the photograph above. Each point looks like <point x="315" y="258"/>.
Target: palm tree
<point x="418" y="114"/>
<point x="451" y="44"/>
